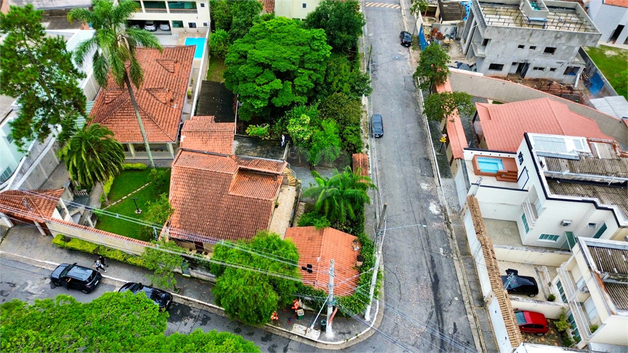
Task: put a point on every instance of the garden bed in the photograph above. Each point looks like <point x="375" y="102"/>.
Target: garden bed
<point x="612" y="62"/>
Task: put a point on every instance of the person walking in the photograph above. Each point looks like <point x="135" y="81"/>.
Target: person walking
<point x="98" y="266"/>
<point x="102" y="260"/>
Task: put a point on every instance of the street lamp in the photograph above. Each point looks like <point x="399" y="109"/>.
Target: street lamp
<point x="137" y="209"/>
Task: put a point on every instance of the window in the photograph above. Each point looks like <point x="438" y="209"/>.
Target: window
<point x="561" y="291"/>
<point x="205" y="24"/>
<point x="192" y="24"/>
<point x="521" y="46"/>
<point x="304" y="5"/>
<point x="592" y="225"/>
<point x="525" y="223"/>
<point x="538" y="68"/>
<point x="553" y="69"/>
<point x="574" y="328"/>
<point x="549" y="50"/>
<point x="571" y="71"/>
<point x="9" y="138"/>
<point x="520" y="157"/>
<point x="485" y="42"/>
<point x="177" y="24"/>
<point x="6" y="174"/>
<point x="600" y="231"/>
<point x="496" y="67"/>
<point x="549" y="237"/>
<point x="202" y="4"/>
<point x="532" y="47"/>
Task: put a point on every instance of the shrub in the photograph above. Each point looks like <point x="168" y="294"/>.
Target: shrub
<point x="160" y="180"/>
<point x="562" y="325"/>
<point x="593" y="328"/>
<point x="134" y="166"/>
<point x="313" y="219"/>
<point x="84" y="246"/>
<point x="567" y="341"/>
<point x="260" y="131"/>
<point x="106" y="188"/>
<point x="551" y="297"/>
<point x="219" y="43"/>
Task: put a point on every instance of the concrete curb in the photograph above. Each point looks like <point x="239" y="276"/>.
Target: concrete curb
<point x="49" y="265"/>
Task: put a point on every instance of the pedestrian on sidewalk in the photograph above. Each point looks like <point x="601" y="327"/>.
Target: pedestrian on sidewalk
<point x="274" y="317"/>
<point x="98" y="266"/>
<point x="102" y="260"/>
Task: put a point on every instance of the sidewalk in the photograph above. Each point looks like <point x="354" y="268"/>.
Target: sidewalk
<point x="25" y="244"/>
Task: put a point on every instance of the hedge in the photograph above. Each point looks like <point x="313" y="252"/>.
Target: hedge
<point x="106" y="188"/>
<point x="84" y="246"/>
<point x="134" y="166"/>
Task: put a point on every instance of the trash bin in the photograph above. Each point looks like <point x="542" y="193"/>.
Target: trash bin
<point x="323" y="325"/>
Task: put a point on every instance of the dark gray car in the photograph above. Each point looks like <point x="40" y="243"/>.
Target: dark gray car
<point x="75" y="277"/>
<point x="377" y="125"/>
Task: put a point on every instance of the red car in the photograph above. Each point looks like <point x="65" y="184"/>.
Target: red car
<point x="531" y="322"/>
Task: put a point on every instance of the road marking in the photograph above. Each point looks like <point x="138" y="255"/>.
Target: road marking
<point x="382" y="4"/>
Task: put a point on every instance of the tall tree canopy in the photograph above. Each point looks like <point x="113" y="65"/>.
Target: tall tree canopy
<point x="342" y="76"/>
<point x="432" y="68"/>
<point x="235" y="17"/>
<point x="39" y="71"/>
<point x="341" y="20"/>
<point x="114" y="322"/>
<point x="276" y="65"/>
<point x="114" y="46"/>
<point x="252" y="296"/>
<point x="439" y="106"/>
<point x="92" y="156"/>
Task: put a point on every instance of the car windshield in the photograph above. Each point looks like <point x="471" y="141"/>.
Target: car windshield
<point x="520" y="317"/>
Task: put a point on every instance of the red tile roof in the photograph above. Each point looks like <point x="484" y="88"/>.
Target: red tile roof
<point x="34" y="205"/>
<point x="160" y="98"/>
<point x="268" y="6"/>
<point x="217" y="196"/>
<point x="620" y="3"/>
<point x="317" y="248"/>
<point x="455" y="131"/>
<point x="503" y="125"/>
<point x="361" y="161"/>
<point x="201" y="133"/>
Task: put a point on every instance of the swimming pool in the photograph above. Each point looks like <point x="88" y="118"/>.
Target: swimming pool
<point x="200" y="46"/>
<point x="490" y="165"/>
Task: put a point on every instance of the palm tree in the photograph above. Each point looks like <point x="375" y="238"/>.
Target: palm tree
<point x="338" y="197"/>
<point x="92" y="156"/>
<point x="115" y="45"/>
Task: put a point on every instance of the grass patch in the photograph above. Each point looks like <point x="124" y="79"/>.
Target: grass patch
<point x="612" y="62"/>
<point x="125" y="183"/>
<point x="216" y="70"/>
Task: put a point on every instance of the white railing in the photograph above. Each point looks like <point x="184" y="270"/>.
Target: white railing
<point x="581" y="320"/>
<point x="565" y="279"/>
<point x="530" y="213"/>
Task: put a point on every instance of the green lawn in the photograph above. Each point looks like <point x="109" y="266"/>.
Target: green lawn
<point x="612" y="62"/>
<point x="126" y="182"/>
<point x="216" y="69"/>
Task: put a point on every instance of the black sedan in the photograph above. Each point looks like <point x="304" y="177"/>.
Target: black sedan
<point x="406" y="38"/>
<point x="160" y="297"/>
<point x="516" y="284"/>
<point x="377" y="125"/>
<point x="75" y="277"/>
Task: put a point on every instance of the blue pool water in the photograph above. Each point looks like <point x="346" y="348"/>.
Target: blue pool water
<point x="490" y="165"/>
<point x="200" y="46"/>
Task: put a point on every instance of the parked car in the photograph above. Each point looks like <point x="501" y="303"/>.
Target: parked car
<point x="75" y="277"/>
<point x="516" y="284"/>
<point x="150" y="26"/>
<point x="406" y="38"/>
<point x="164" y="26"/>
<point x="377" y="125"/>
<point x="531" y="322"/>
<point x="160" y="297"/>
<point x="135" y="26"/>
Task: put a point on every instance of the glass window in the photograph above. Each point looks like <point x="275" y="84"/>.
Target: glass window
<point x="192" y="24"/>
<point x="549" y="50"/>
<point x="525" y="223"/>
<point x="177" y="24"/>
<point x="600" y="231"/>
<point x="574" y="328"/>
<point x="561" y="291"/>
<point x="182" y="5"/>
<point x="549" y="237"/>
<point x="496" y="67"/>
<point x="6" y="174"/>
<point x="304" y="5"/>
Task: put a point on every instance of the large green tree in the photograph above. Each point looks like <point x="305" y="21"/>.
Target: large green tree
<point x="439" y="106"/>
<point x="252" y="296"/>
<point x="115" y="45"/>
<point x="345" y="77"/>
<point x="92" y="156"/>
<point x="347" y="112"/>
<point x="341" y="20"/>
<point x="163" y="258"/>
<point x="326" y="143"/>
<point x="38" y="70"/>
<point x="432" y="69"/>
<point x="235" y="17"/>
<point x="113" y="322"/>
<point x="276" y="65"/>
<point x="340" y="196"/>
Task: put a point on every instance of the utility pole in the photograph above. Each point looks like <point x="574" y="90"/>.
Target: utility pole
<point x="378" y="255"/>
<point x="330" y="307"/>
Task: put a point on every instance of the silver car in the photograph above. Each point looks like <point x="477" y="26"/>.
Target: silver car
<point x="150" y="26"/>
<point x="164" y="26"/>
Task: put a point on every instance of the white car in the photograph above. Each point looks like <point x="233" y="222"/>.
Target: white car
<point x="150" y="26"/>
<point x="164" y="26"/>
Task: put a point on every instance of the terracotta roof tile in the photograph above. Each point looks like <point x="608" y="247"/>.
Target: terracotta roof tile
<point x="620" y="3"/>
<point x="317" y="248"/>
<point x="215" y="197"/>
<point x="201" y="133"/>
<point x="455" y="131"/>
<point x="503" y="125"/>
<point x="361" y="161"/>
<point x="268" y="6"/>
<point x="36" y="205"/>
<point x="160" y="98"/>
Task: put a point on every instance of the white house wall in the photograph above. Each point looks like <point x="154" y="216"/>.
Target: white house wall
<point x="613" y="331"/>
<point x="551" y="310"/>
<point x="607" y="18"/>
<point x="502" y="204"/>
<point x="478" y="255"/>
<point x="201" y="17"/>
<point x="460" y="181"/>
<point x="499" y="327"/>
<point x="295" y="8"/>
<point x="531" y="256"/>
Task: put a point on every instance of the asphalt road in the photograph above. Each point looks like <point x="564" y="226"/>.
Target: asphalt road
<point x="424" y="311"/>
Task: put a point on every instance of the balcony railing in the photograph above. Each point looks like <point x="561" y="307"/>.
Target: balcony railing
<point x="581" y="320"/>
<point x="530" y="213"/>
<point x="568" y="284"/>
<point x="183" y="10"/>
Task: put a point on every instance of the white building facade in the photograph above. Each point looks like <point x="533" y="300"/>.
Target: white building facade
<point x="611" y="18"/>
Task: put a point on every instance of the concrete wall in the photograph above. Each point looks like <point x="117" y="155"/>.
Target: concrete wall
<point x="551" y="310"/>
<point x="591" y="69"/>
<point x="499" y="326"/>
<point x="295" y="8"/>
<point x="534" y="256"/>
<point x="478" y="255"/>
<point x="501" y="203"/>
<point x="611" y="333"/>
<point x="128" y="245"/>
<point x="200" y="17"/>
<point x="607" y="18"/>
<point x="504" y="91"/>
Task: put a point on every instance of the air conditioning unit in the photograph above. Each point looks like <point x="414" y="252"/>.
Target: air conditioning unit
<point x="566" y="222"/>
<point x="584" y="289"/>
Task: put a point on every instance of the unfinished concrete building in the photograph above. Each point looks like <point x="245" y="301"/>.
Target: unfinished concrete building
<point x="531" y="38"/>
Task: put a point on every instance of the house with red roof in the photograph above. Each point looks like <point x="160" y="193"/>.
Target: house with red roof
<point x="317" y="247"/>
<point x="34" y="207"/>
<point x="224" y="197"/>
<point x="202" y="133"/>
<point x="161" y="100"/>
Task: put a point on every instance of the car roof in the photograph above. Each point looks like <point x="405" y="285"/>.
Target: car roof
<point x="534" y="317"/>
<point x="377" y="116"/>
<point x="79" y="272"/>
